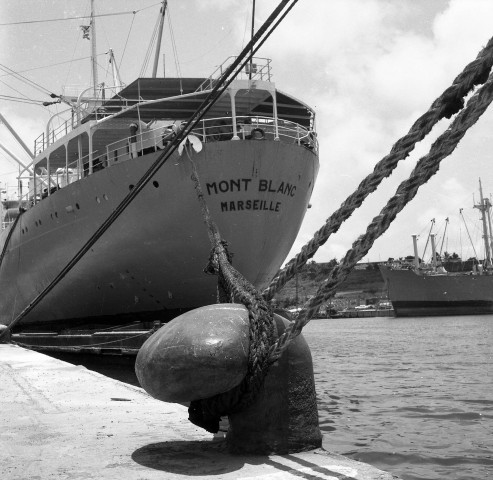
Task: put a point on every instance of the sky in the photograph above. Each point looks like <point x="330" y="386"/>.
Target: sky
<point x="369" y="68"/>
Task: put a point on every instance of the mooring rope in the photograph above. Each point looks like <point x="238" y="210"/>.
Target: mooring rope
<point x="425" y="168"/>
<point x="446" y="105"/>
<point x="207" y="413"/>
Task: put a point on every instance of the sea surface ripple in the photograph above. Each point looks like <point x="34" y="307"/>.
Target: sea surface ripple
<point x="412" y="396"/>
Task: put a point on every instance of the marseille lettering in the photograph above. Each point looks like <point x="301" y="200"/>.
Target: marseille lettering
<point x="239" y="205"/>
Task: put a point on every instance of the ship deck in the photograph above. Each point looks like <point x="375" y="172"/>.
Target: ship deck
<point x="64" y="421"/>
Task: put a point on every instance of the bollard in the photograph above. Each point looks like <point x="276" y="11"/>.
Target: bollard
<point x="284" y="417"/>
<point x="204" y="352"/>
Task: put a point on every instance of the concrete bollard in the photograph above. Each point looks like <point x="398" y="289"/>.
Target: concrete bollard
<point x="204" y="352"/>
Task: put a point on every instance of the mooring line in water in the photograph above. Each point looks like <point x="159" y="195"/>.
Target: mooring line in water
<point x="446" y="105"/>
<point x="219" y="87"/>
<point x="425" y="168"/>
<point x="24" y="345"/>
<point x="207" y="413"/>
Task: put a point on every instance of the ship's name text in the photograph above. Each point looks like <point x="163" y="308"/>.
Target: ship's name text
<point x="245" y="185"/>
<point x="257" y="204"/>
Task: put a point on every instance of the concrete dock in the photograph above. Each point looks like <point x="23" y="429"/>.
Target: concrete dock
<point x="60" y="421"/>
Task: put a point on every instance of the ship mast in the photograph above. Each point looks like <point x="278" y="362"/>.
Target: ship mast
<point x="94" y="67"/>
<point x="484" y="207"/>
<point x="160" y="36"/>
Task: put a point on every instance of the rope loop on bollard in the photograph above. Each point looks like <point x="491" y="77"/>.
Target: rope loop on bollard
<point x="206" y="413"/>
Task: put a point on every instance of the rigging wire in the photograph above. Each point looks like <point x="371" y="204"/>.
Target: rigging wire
<point x="126" y="42"/>
<point x="24" y="79"/>
<point x="75" y="49"/>
<point x="175" y="50"/>
<point x="149" y="49"/>
<point x="16" y="91"/>
<point x="128" y="12"/>
<point x="21" y="100"/>
<point x="48" y="66"/>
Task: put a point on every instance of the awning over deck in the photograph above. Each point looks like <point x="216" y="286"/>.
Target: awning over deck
<point x="178" y="99"/>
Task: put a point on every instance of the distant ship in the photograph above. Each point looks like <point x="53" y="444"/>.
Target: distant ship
<point x="421" y="290"/>
<point x="257" y="157"/>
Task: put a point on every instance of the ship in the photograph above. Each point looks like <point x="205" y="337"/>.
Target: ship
<point x="420" y="290"/>
<point x="256" y="154"/>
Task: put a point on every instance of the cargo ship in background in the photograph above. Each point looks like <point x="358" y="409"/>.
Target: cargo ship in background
<point x="430" y="290"/>
<point x="256" y="153"/>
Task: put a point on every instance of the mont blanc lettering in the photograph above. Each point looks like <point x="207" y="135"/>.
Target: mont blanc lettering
<point x="225" y="186"/>
<point x="269" y="186"/>
<point x="245" y="185"/>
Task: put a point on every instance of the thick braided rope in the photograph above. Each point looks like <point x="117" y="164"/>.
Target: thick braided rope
<point x="426" y="167"/>
<point x="207" y="412"/>
<point x="447" y="104"/>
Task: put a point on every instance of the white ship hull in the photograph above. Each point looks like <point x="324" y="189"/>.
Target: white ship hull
<point x="150" y="262"/>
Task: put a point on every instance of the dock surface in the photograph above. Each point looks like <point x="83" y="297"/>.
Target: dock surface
<point x="61" y="421"/>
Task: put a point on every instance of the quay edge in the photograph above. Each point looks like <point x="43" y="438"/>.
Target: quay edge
<point x="61" y="420"/>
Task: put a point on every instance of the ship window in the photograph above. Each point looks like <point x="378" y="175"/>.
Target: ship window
<point x="36" y="223"/>
<point x="22" y="231"/>
<point x="130" y="187"/>
<point x="77" y="206"/>
<point x="39" y="222"/>
<point x="56" y="214"/>
<point x="156" y="184"/>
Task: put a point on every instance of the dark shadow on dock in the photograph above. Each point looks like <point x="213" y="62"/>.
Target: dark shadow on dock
<point x="118" y="367"/>
<point x="193" y="458"/>
<point x="199" y="458"/>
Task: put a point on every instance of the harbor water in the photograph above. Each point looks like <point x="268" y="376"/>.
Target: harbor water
<point x="412" y="396"/>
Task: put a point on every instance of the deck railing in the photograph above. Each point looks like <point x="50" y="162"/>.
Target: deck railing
<point x="248" y="128"/>
<point x="258" y="69"/>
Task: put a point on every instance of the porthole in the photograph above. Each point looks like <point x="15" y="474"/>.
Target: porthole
<point x="22" y="231"/>
<point x="130" y="187"/>
<point x="77" y="206"/>
<point x="155" y="183"/>
<point x="39" y="221"/>
<point x="36" y="223"/>
<point x="56" y="214"/>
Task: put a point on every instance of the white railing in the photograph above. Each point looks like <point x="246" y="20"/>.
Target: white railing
<point x="248" y="128"/>
<point x="257" y="69"/>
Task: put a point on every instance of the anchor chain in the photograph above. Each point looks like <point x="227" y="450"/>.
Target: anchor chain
<point x="446" y="105"/>
<point x="425" y="168"/>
